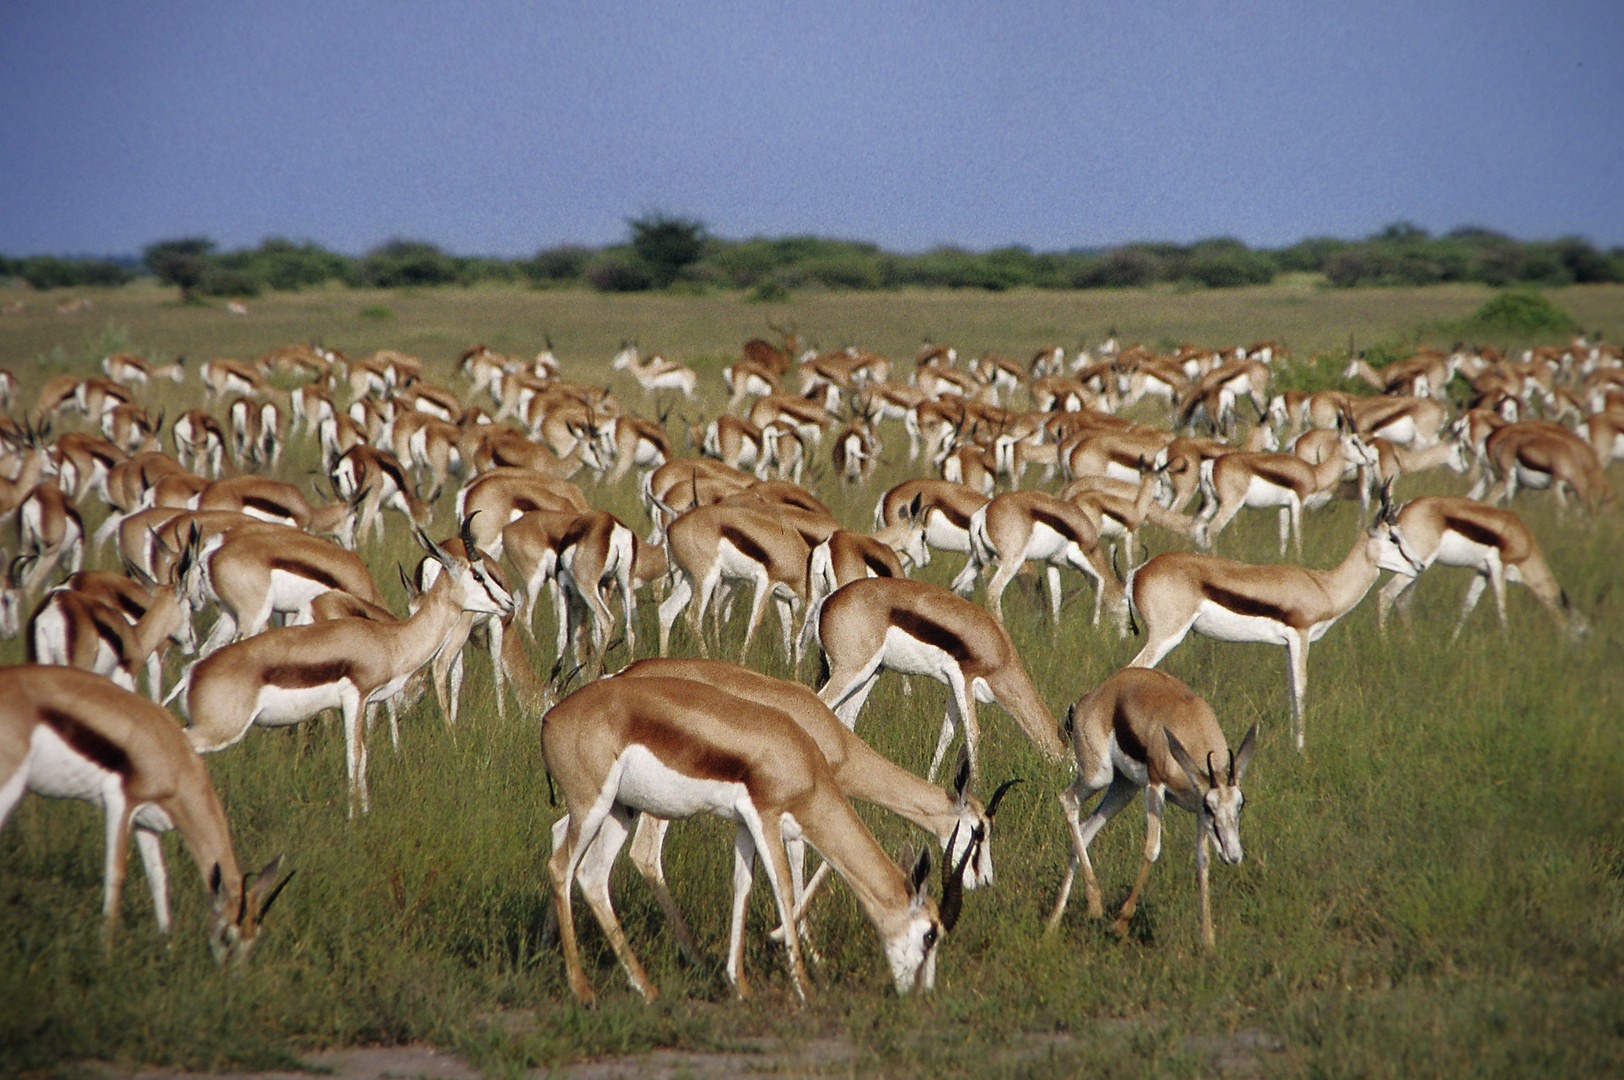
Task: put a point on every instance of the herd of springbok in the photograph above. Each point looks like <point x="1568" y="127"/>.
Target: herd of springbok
<point x="1028" y="463"/>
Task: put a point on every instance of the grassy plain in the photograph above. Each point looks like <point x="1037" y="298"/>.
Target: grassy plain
<point x="1435" y="888"/>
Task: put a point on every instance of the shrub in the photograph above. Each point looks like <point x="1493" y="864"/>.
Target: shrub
<point x="1520" y="313"/>
<point x="181" y="263"/>
<point x="405" y="263"/>
<point x="666" y="245"/>
<point x="618" y="270"/>
<point x="1122" y="268"/>
<point x="224" y="281"/>
<point x="1226" y="263"/>
<point x="550" y="266"/>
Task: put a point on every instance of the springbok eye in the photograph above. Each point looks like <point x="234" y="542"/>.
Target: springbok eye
<point x="930" y="938"/>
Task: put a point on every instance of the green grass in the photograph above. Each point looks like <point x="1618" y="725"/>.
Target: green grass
<point x="1435" y="888"/>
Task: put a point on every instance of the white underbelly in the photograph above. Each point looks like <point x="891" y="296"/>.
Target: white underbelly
<point x="646" y="783"/>
<point x="293" y="592"/>
<point x="1124" y="764"/>
<point x="907" y="655"/>
<point x="1455" y="550"/>
<point x="58" y="771"/>
<point x="1218" y="622"/>
<point x="943" y="535"/>
<point x="277" y="706"/>
<point x="1399" y="431"/>
<point x="1261" y="493"/>
<point x="1538" y="479"/>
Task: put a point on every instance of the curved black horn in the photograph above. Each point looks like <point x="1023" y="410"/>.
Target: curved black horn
<point x="468" y="547"/>
<point x="953" y="880"/>
<point x="1212" y="775"/>
<point x="998" y="796"/>
<point x="1232" y="768"/>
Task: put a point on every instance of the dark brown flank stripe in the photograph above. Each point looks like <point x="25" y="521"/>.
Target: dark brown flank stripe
<point x="1059" y="525"/>
<point x="1127" y="739"/>
<point x="1474" y="532"/>
<point x="877" y="565"/>
<point x="578" y="530"/>
<point x="684" y="754"/>
<point x="131" y="606"/>
<point x="1242" y="604"/>
<point x="269" y="506"/>
<point x="395" y="474"/>
<point x="1275" y="476"/>
<point x="931" y="633"/>
<point x="952" y="514"/>
<point x="108" y="630"/>
<point x="87" y="741"/>
<point x="304" y="676"/>
<point x="747" y="547"/>
<point x="308" y="570"/>
<point x="1125" y="457"/>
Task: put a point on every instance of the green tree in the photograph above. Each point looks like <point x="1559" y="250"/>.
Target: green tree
<point x="667" y="245"/>
<point x="182" y="263"/>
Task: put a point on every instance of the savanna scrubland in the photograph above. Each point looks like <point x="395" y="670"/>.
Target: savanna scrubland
<point x="1435" y="887"/>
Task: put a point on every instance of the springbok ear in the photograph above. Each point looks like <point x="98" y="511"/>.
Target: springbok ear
<point x="1243" y="756"/>
<point x="921" y="870"/>
<point x="1186" y="763"/>
<point x="440" y="554"/>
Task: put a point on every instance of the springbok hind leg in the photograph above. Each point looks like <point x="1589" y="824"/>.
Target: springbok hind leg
<point x="593" y="874"/>
<point x="1154" y="796"/>
<point x="1297" y="682"/>
<point x="648" y="844"/>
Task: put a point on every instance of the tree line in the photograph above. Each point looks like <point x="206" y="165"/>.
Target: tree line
<point x="664" y="252"/>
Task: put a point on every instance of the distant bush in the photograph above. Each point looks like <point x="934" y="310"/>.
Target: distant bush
<point x="1520" y="313"/>
<point x="50" y="272"/>
<point x="663" y="251"/>
<point x="1226" y="264"/>
<point x="403" y="264"/>
<point x="1119" y="268"/>
<point x="377" y="312"/>
<point x="181" y="263"/>
<point x="619" y="270"/>
<point x="552" y="266"/>
<point x="666" y="246"/>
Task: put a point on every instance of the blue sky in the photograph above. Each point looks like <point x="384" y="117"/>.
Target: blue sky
<point x="503" y="128"/>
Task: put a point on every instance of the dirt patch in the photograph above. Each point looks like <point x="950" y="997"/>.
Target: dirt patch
<point x="1237" y="1055"/>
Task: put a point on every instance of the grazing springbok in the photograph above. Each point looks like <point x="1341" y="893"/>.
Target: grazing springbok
<point x="1144" y="729"/>
<point x="710" y="546"/>
<point x="953" y="818"/>
<point x="1492" y="542"/>
<point x="917" y="628"/>
<point x="66" y="733"/>
<point x="1020" y="526"/>
<point x="675" y="748"/>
